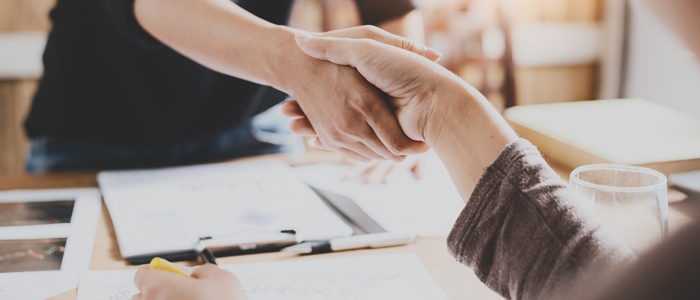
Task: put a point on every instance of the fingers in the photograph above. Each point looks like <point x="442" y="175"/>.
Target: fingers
<point x="379" y="35"/>
<point x="208" y="271"/>
<point x="157" y="284"/>
<point x="389" y="172"/>
<point x="340" y="51"/>
<point x="315" y="142"/>
<point x="372" y="149"/>
<point x="356" y="137"/>
<point x="380" y="172"/>
<point x="364" y="155"/>
<point x="358" y="169"/>
<point x="302" y="126"/>
<point x="384" y="171"/>
<point x="222" y="284"/>
<point x="292" y="109"/>
<point x="418" y="169"/>
<point x="358" y="150"/>
<point x="353" y="155"/>
<point x="413" y="164"/>
<point x="390" y="134"/>
<point x="142" y="275"/>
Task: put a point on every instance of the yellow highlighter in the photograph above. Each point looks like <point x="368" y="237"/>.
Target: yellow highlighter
<point x="158" y="263"/>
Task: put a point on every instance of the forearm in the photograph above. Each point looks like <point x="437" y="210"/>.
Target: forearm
<point x="521" y="229"/>
<point x="468" y="135"/>
<point x="525" y="236"/>
<point x="221" y="36"/>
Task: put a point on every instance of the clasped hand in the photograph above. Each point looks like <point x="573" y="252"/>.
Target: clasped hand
<point x="399" y="69"/>
<point x="344" y="111"/>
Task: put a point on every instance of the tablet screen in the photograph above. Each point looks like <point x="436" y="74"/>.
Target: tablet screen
<point x="31" y="255"/>
<point x="36" y="213"/>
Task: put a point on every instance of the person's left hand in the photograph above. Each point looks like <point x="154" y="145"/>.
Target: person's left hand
<point x="204" y="283"/>
<point x="382" y="171"/>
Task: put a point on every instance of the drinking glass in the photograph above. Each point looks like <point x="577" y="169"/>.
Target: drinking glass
<point x="631" y="201"/>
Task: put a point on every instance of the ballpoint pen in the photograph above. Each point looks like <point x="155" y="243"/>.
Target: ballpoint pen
<point x="372" y="240"/>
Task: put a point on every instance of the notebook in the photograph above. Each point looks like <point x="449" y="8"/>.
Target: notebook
<point x="623" y="131"/>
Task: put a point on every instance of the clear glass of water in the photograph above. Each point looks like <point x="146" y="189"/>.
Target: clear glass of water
<point x="631" y="201"/>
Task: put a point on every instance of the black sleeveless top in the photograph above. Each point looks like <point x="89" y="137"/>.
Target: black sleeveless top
<point x="107" y="80"/>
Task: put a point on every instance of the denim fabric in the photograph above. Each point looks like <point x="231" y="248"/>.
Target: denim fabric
<point x="265" y="134"/>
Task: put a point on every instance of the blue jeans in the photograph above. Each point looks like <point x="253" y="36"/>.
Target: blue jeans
<point x="265" y="134"/>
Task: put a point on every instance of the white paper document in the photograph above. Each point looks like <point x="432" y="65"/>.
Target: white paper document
<point x="427" y="207"/>
<point x="46" y="240"/>
<point x="371" y="277"/>
<point x="168" y="210"/>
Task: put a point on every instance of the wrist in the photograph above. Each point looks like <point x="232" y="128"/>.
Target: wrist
<point x="277" y="58"/>
<point x="287" y="63"/>
<point x="467" y="123"/>
<point x="449" y="103"/>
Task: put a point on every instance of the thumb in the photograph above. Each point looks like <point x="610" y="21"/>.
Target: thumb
<point x="380" y="64"/>
<point x="341" y="51"/>
<point x="379" y="35"/>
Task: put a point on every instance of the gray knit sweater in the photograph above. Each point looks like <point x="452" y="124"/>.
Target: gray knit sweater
<point x="525" y="237"/>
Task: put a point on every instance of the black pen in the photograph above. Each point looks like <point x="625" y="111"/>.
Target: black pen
<point x="205" y="255"/>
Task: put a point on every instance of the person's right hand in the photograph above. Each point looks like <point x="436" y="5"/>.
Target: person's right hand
<point x="204" y="283"/>
<point x="345" y="112"/>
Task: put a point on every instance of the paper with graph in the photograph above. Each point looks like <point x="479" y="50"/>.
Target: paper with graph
<point x="168" y="210"/>
<point x="393" y="276"/>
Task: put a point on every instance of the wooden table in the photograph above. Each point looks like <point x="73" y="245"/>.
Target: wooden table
<point x="457" y="281"/>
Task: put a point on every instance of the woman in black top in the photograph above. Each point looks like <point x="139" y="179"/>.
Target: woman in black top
<point x="141" y="83"/>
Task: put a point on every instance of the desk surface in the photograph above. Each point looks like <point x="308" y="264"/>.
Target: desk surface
<point x="457" y="281"/>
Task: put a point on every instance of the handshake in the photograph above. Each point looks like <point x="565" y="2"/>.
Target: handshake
<point x="421" y="105"/>
<point x="400" y="113"/>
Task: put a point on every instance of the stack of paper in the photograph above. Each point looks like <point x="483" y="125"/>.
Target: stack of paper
<point x="625" y="131"/>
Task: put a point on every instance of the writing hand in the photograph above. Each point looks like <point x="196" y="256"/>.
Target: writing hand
<point x="205" y="282"/>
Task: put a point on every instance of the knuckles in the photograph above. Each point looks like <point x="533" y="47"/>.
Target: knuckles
<point x="408" y="44"/>
<point x="397" y="147"/>
<point x="348" y="129"/>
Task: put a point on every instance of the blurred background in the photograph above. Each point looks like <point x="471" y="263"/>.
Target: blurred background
<point x="517" y="52"/>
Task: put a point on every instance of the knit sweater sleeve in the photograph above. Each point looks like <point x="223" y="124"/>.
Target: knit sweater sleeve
<point x="525" y="235"/>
